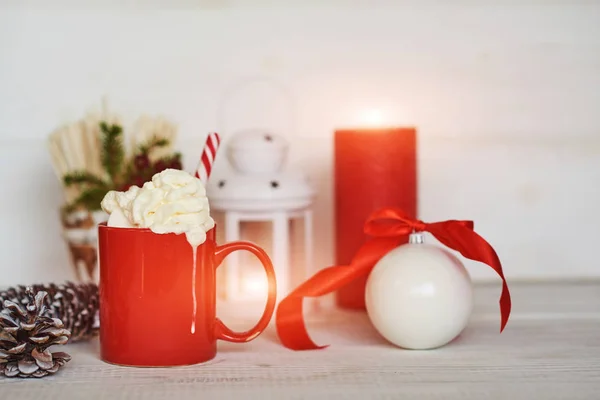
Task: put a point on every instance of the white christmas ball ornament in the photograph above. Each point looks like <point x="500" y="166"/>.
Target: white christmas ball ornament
<point x="419" y="296"/>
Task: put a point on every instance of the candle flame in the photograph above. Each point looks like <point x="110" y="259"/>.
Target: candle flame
<point x="373" y="117"/>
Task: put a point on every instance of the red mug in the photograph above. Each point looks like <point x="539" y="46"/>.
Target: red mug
<point x="152" y="312"/>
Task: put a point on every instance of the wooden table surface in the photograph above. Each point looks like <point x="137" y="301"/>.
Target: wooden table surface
<point x="549" y="350"/>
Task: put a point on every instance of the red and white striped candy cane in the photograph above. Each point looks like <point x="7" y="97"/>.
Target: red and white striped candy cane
<point x="208" y="156"/>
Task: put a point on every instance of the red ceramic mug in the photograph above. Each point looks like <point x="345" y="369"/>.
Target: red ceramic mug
<point x="152" y="312"/>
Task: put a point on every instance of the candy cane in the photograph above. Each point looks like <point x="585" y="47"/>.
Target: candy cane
<point x="208" y="157"/>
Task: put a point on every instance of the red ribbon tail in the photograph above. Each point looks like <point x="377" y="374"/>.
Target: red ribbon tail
<point x="289" y="318"/>
<point x="505" y="305"/>
<point x="461" y="237"/>
<point x="291" y="327"/>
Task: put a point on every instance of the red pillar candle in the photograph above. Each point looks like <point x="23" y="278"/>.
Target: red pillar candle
<point x="374" y="168"/>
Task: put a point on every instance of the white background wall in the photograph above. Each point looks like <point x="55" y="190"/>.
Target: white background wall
<point x="506" y="96"/>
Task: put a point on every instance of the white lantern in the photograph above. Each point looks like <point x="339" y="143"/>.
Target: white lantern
<point x="419" y="296"/>
<point x="259" y="188"/>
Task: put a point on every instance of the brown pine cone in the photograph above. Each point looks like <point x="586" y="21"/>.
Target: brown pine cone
<point x="76" y="305"/>
<point x="26" y="333"/>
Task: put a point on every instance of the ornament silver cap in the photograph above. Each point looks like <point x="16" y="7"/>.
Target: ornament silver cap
<point x="416" y="238"/>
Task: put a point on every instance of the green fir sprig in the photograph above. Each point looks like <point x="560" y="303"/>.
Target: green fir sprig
<point x="154" y="143"/>
<point x="113" y="151"/>
<point x="120" y="172"/>
<point x="83" y="178"/>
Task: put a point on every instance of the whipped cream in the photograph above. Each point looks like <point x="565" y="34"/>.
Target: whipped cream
<point x="172" y="202"/>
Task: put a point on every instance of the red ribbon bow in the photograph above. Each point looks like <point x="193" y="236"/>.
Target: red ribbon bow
<point x="388" y="228"/>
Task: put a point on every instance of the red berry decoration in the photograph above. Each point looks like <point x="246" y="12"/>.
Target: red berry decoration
<point x="138" y="181"/>
<point x="141" y="161"/>
<point x="176" y="164"/>
<point x="160" y="166"/>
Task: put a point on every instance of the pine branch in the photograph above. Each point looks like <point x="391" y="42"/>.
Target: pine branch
<point x="89" y="199"/>
<point x="153" y="143"/>
<point x="82" y="178"/>
<point x="113" y="151"/>
<point x="129" y="171"/>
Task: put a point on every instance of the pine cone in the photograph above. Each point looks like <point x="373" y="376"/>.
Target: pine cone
<point x="26" y="333"/>
<point x="76" y="305"/>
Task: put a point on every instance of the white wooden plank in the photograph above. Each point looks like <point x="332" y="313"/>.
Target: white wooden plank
<point x="515" y="70"/>
<point x="504" y="95"/>
<point x="555" y="358"/>
<point x="30" y="230"/>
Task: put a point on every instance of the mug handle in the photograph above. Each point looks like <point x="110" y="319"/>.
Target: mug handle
<point x="222" y="332"/>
